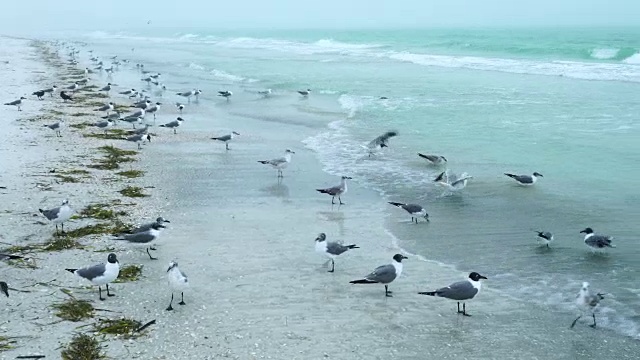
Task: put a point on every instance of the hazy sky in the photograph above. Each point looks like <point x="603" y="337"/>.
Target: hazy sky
<point x="42" y="15"/>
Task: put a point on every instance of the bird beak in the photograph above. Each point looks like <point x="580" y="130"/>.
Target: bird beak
<point x="167" y="221"/>
<point x="583" y="232"/>
<point x="404" y="257"/>
<point x="482" y="277"/>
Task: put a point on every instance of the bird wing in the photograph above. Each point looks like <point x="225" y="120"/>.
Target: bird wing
<point x="140" y="238"/>
<point x="333" y="190"/>
<point x="276" y="162"/>
<point x="383" y="274"/>
<point x="382" y="139"/>
<point x="335" y="248"/>
<point x="599" y="241"/>
<point x="461" y="180"/>
<point x="51" y="213"/>
<point x="91" y="272"/>
<point x="224" y="138"/>
<point x="461" y="290"/>
<point x="412" y="208"/>
<point x="173" y="123"/>
<point x="14" y="102"/>
<point x="142" y="228"/>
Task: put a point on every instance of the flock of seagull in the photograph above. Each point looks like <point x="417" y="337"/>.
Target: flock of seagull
<point x="145" y="235"/>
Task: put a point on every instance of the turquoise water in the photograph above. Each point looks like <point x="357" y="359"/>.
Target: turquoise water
<point x="562" y="102"/>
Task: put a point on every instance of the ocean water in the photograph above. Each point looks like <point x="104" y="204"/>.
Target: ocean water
<point x="562" y="102"/>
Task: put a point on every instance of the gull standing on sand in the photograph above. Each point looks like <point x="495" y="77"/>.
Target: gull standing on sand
<point x="51" y="90"/>
<point x="104" y="125"/>
<point x="128" y="92"/>
<point x="525" y="180"/>
<point x="178" y="282"/>
<point x="380" y="142"/>
<point x="100" y="274"/>
<point x="336" y="190"/>
<point x="153" y="109"/>
<point x="384" y="274"/>
<point x="144" y="238"/>
<point x="331" y="249"/>
<point x="106" y="88"/>
<point x="416" y="211"/>
<point x="139" y="131"/>
<point x="17" y="103"/>
<point x="65" y="96"/>
<point x="460" y="291"/>
<point x="138" y="113"/>
<point x="187" y="94"/>
<point x="226" y="138"/>
<point x="434" y="159"/>
<point x="106" y="107"/>
<point x="59" y="214"/>
<point x="73" y="87"/>
<point x="595" y="241"/>
<point x="10" y="257"/>
<point x="180" y="107"/>
<point x="225" y="94"/>
<point x="144" y="227"/>
<point x="587" y="302"/>
<point x="304" y="93"/>
<point x="139" y="138"/>
<point x="173" y="124"/>
<point x="545" y="237"/>
<point x="57" y="127"/>
<point x="279" y="163"/>
<point x="132" y="120"/>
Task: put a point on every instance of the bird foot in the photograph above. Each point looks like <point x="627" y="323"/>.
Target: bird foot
<point x="182" y="303"/>
<point x="102" y="299"/>
<point x="463" y="313"/>
<point x="111" y="294"/>
<point x="152" y="258"/>
<point x="592" y="326"/>
<point x="169" y="308"/>
<point x="388" y="295"/>
<point x="330" y="271"/>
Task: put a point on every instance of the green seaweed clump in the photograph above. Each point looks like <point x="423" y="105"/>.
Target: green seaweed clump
<point x="117" y="227"/>
<point x="6" y="343"/>
<point x="81" y="125"/>
<point x="99" y="211"/>
<point x="66" y="178"/>
<point x="129" y="273"/>
<point x="133" y="191"/>
<point x="112" y="134"/>
<point x="123" y="327"/>
<point x="114" y="156"/>
<point x="61" y="242"/>
<point x="78" y="114"/>
<point x="83" y="347"/>
<point x="131" y="173"/>
<point x="74" y="310"/>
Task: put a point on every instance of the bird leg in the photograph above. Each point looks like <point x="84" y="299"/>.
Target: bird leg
<point x="333" y="266"/>
<point x="226" y="145"/>
<point x="150" y="257"/>
<point x="594" y="321"/>
<point x="574" y="322"/>
<point x="387" y="293"/>
<point x="169" y="308"/>
<point x="62" y="228"/>
<point x="182" y="300"/>
<point x="100" y="293"/>
<point x="464" y="310"/>
<point x="341" y="203"/>
<point x="174" y="131"/>
<point x="332" y="198"/>
<point x="108" y="293"/>
<point x="57" y="233"/>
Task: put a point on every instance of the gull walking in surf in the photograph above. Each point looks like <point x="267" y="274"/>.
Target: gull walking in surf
<point x="587" y="302"/>
<point x="416" y="211"/>
<point x="595" y="241"/>
<point x="461" y="291"/>
<point x="337" y="190"/>
<point x="100" y="274"/>
<point x="331" y="249"/>
<point x="380" y="142"/>
<point x="279" y="163"/>
<point x="384" y="274"/>
<point x="225" y="94"/>
<point x="434" y="159"/>
<point x="452" y="182"/>
<point x="178" y="282"/>
<point x="545" y="237"/>
<point x="525" y="180"/>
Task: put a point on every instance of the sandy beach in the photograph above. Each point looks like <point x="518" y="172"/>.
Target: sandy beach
<point x="245" y="239"/>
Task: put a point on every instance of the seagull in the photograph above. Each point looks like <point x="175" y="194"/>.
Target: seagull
<point x="545" y="237"/>
<point x="17" y="103"/>
<point x="104" y="125"/>
<point x="144" y="104"/>
<point x="331" y="249"/>
<point x="153" y="109"/>
<point x="39" y="94"/>
<point x="434" y="159"/>
<point x="132" y="120"/>
<point x="226" y="138"/>
<point x="106" y="88"/>
<point x="138" y="113"/>
<point x="587" y="302"/>
<point x="415" y="210"/>
<point x="160" y="220"/>
<point x="525" y="180"/>
<point x="173" y="124"/>
<point x="59" y="214"/>
<point x="4" y="287"/>
<point x="384" y="274"/>
<point x="226" y="94"/>
<point x="265" y="93"/>
<point x="143" y="238"/>
<point x="82" y="82"/>
<point x="595" y="241"/>
<point x="187" y="94"/>
<point x="180" y="107"/>
<point x="100" y="274"/>
<point x="10" y="257"/>
<point x="198" y="92"/>
<point x="113" y="116"/>
<point x="336" y="190"/>
<point x="460" y="291"/>
<point x="128" y="92"/>
<point x="139" y="138"/>
<point x="452" y="182"/>
<point x="279" y="163"/>
<point x="106" y="107"/>
<point x="304" y="92"/>
<point x="178" y="282"/>
<point x="65" y="97"/>
<point x="155" y="76"/>
<point x="380" y="141"/>
<point x="51" y="90"/>
<point x="73" y="87"/>
<point x="57" y="127"/>
<point x="139" y="131"/>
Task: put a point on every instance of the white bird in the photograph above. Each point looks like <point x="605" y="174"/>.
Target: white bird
<point x="460" y="291"/>
<point x="279" y="163"/>
<point x="452" y="182"/>
<point x="525" y="180"/>
<point x="17" y="103"/>
<point x="178" y="282"/>
<point x="304" y="92"/>
<point x="587" y="302"/>
<point x="180" y="107"/>
<point x="187" y="94"/>
<point x="331" y="249"/>
<point x="100" y="274"/>
<point x="226" y="138"/>
<point x="380" y="142"/>
<point x="434" y="159"/>
<point x="59" y="214"/>
<point x="57" y="127"/>
<point x="337" y="190"/>
<point x="545" y="237"/>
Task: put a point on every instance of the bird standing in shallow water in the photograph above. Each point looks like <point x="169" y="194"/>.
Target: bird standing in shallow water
<point x="460" y="291"/>
<point x="336" y="190"/>
<point x="587" y="302"/>
<point x="384" y="274"/>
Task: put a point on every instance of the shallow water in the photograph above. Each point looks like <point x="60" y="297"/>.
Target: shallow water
<point x="570" y="114"/>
